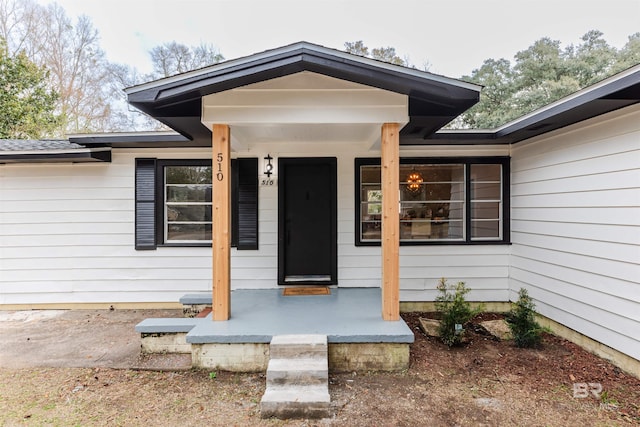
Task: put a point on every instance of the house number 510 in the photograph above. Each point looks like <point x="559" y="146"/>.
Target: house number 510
<point x="219" y="174"/>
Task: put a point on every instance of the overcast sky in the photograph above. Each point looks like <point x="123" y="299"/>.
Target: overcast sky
<point x="453" y="36"/>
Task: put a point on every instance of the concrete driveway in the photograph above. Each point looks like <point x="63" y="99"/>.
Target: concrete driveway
<point x="77" y="338"/>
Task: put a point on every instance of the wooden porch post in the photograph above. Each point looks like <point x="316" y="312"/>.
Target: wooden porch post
<point x="221" y="227"/>
<point x="390" y="176"/>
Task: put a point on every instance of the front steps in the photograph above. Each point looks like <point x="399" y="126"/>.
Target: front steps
<point x="297" y="378"/>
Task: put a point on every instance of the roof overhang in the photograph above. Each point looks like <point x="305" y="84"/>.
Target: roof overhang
<point x="72" y="155"/>
<point x="432" y="100"/>
<point x="613" y="93"/>
<point x="151" y="139"/>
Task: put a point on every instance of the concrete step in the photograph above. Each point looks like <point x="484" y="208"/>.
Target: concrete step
<point x="296" y="402"/>
<point x="297" y="372"/>
<point x="297" y="378"/>
<point x="298" y="347"/>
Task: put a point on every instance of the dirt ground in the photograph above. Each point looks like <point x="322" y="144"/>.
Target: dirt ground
<point x="486" y="382"/>
<point x="73" y="338"/>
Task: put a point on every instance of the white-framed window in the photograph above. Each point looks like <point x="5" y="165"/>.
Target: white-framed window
<point x="486" y="200"/>
<point x="441" y="201"/>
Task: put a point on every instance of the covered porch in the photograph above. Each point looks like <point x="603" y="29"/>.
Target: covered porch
<point x="359" y="339"/>
<point x="292" y="105"/>
<point x="302" y="98"/>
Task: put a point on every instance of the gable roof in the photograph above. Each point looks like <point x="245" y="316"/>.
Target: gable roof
<point x="184" y="92"/>
<point x="176" y="101"/>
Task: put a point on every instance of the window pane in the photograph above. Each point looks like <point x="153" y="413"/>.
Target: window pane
<point x="486" y="173"/>
<point x="188" y="174"/>
<point x="431" y="230"/>
<point x="371" y="230"/>
<point x="188" y="193"/>
<point x="187" y="203"/>
<point x="432" y="202"/>
<point x="371" y="203"/>
<point x="201" y="213"/>
<point x="489" y="230"/>
<point x="486" y="190"/>
<point x="370" y="175"/>
<point x="432" y="182"/>
<point x="486" y="202"/>
<point x="188" y="232"/>
<point x="485" y="210"/>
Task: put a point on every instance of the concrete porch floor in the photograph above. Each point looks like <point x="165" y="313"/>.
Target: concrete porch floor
<point x="348" y="315"/>
<point x="351" y="318"/>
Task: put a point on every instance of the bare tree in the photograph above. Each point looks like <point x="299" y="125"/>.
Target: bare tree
<point x="123" y="115"/>
<point x="175" y="58"/>
<point x="78" y="68"/>
<point x="21" y="22"/>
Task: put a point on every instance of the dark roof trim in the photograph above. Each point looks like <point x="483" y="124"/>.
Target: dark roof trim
<point x="219" y="77"/>
<point x="456" y="137"/>
<point x="134" y="140"/>
<point x="176" y="101"/>
<point x="609" y="95"/>
<point x="75" y="155"/>
<point x="613" y="93"/>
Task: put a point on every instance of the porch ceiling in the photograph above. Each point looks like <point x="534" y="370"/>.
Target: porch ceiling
<point x="432" y="100"/>
<point x="305" y="107"/>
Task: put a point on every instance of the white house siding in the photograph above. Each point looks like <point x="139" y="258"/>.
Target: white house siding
<point x="484" y="268"/>
<point x="67" y="236"/>
<point x="575" y="217"/>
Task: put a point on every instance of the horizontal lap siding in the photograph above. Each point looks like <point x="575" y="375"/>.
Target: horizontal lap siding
<point x="483" y="268"/>
<point x="66" y="236"/>
<point x="575" y="227"/>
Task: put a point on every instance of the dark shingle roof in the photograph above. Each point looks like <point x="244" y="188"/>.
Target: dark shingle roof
<point x="50" y="151"/>
<point x="37" y="144"/>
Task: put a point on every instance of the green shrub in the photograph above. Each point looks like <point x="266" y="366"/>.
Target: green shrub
<point x="522" y="321"/>
<point x="454" y="310"/>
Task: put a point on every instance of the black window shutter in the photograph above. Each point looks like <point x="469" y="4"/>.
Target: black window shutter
<point x="245" y="206"/>
<point x="234" y="203"/>
<point x="145" y="204"/>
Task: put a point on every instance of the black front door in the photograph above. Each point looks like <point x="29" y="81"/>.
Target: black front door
<point x="307" y="223"/>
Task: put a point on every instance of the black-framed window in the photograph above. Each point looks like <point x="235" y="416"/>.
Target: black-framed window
<point x="173" y="203"/>
<point x="442" y="201"/>
<point x="185" y="201"/>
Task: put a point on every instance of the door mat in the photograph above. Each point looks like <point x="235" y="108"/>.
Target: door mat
<point x="313" y="290"/>
<point x="204" y="313"/>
